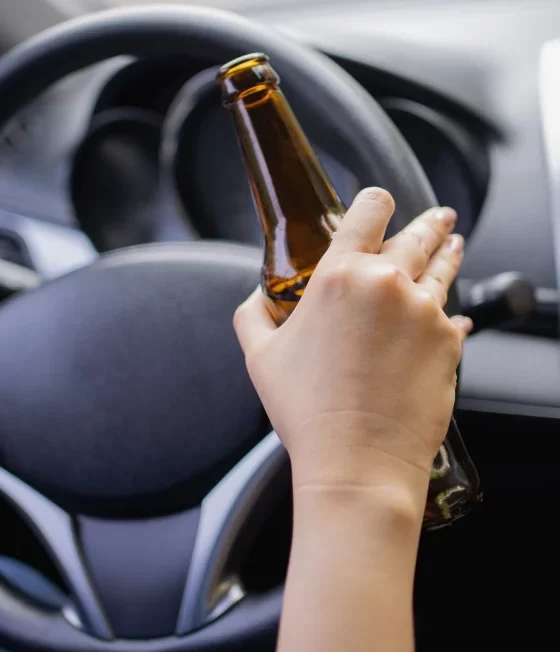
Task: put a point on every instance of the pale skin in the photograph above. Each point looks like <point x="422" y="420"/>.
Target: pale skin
<point x="359" y="384"/>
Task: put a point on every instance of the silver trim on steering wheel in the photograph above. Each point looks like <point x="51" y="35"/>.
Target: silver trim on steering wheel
<point x="223" y="513"/>
<point x="56" y="529"/>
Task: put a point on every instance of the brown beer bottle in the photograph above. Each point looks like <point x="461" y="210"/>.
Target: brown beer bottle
<point x="298" y="207"/>
<point x="299" y="212"/>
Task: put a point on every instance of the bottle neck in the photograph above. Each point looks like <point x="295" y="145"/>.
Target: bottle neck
<point x="297" y="205"/>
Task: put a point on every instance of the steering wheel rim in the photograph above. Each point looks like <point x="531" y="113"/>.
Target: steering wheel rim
<point x="316" y="84"/>
<point x="351" y="120"/>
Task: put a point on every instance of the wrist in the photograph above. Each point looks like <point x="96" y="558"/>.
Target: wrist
<point x="388" y="508"/>
<point x="358" y="528"/>
<point x="360" y="449"/>
<point x="362" y="472"/>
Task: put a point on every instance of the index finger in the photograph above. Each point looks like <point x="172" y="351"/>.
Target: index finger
<point x="443" y="269"/>
<point x="412" y="248"/>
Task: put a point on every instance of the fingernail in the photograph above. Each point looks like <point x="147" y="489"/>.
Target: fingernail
<point x="456" y="242"/>
<point x="466" y="324"/>
<point x="446" y="214"/>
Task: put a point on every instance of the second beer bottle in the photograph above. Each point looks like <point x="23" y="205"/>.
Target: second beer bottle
<point x="299" y="212"/>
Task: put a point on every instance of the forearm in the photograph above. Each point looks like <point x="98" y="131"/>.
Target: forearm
<point x="350" y="580"/>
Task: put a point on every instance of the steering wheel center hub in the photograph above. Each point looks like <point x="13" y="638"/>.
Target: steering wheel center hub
<point x="133" y="395"/>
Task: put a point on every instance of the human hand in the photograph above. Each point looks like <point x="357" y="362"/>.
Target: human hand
<point x="359" y="382"/>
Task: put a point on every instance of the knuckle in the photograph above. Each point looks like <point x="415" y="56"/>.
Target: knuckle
<point x="387" y="280"/>
<point x="376" y="197"/>
<point x="426" y="306"/>
<point x="425" y="227"/>
<point x="434" y="226"/>
<point x="335" y="279"/>
<point x="452" y="340"/>
<point x="387" y="276"/>
<point x="366" y="277"/>
<point x="418" y="243"/>
<point x="435" y="234"/>
<point x="442" y="288"/>
<point x="454" y="261"/>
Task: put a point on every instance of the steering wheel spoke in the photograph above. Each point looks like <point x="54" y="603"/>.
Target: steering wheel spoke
<point x="209" y="591"/>
<point x="139" y="568"/>
<point x="57" y="532"/>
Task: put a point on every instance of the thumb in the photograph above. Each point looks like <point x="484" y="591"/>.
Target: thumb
<point x="253" y="322"/>
<point x="363" y="227"/>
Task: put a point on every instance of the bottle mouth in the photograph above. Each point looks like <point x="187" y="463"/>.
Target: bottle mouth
<point x="243" y="63"/>
<point x="246" y="75"/>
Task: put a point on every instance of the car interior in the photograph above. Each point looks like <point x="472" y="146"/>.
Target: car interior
<point x="145" y="501"/>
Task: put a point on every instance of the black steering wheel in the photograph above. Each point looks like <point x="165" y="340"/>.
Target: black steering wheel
<point x="131" y="439"/>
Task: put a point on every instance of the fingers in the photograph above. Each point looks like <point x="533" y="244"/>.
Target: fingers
<point x="363" y="227"/>
<point x="442" y="269"/>
<point x="252" y="321"/>
<point x="464" y="325"/>
<point x="412" y="248"/>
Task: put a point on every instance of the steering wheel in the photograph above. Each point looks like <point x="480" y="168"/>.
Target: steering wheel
<point x="131" y="439"/>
